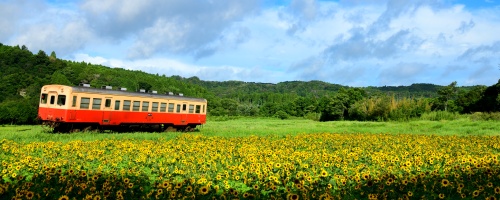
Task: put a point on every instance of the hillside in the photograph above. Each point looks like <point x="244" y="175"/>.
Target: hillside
<point x="24" y="73"/>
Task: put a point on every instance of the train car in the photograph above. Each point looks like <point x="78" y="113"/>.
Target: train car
<point x="79" y="108"/>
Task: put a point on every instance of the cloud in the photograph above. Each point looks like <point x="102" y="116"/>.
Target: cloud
<point x="360" y="45"/>
<point x="352" y="42"/>
<point x="49" y="37"/>
<point x="464" y="26"/>
<point x="171" y="67"/>
<point x="481" y="52"/>
<point x="178" y="27"/>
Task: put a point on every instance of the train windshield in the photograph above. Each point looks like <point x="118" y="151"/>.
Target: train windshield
<point x="43" y="98"/>
<point x="61" y="100"/>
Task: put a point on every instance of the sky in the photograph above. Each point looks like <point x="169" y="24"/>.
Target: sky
<point x="349" y="42"/>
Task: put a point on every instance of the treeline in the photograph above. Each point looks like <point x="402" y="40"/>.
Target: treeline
<point x="24" y="73"/>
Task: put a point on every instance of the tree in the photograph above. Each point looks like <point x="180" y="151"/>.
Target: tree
<point x="447" y="93"/>
<point x="53" y="54"/>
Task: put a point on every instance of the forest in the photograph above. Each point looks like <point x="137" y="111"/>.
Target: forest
<point x="23" y="73"/>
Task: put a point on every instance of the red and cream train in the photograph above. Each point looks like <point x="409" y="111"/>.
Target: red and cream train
<point x="68" y="109"/>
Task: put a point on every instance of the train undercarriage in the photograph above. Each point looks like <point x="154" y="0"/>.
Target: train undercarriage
<point x="60" y="127"/>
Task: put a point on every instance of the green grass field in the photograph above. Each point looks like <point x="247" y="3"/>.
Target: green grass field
<point x="260" y="158"/>
<point x="270" y="126"/>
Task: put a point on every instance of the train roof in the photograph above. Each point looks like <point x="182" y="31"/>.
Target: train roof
<point x="135" y="94"/>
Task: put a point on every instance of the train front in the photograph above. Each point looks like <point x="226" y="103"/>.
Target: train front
<point x="54" y="104"/>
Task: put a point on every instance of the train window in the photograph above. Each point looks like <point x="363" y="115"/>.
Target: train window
<point x="117" y="105"/>
<point x="154" y="107"/>
<point x="52" y="99"/>
<point x="163" y="107"/>
<point x="171" y="107"/>
<point x="107" y="104"/>
<point x="198" y="108"/>
<point x="96" y="103"/>
<point x="184" y="107"/>
<point x="84" y="103"/>
<point x="145" y="106"/>
<point x="178" y="108"/>
<point x="126" y="105"/>
<point x="74" y="101"/>
<point x="137" y="105"/>
<point x="203" y="111"/>
<point x="191" y="108"/>
<point x="43" y="98"/>
<point x="61" y="100"/>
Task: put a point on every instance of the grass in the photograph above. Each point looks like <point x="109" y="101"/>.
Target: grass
<point x="270" y="126"/>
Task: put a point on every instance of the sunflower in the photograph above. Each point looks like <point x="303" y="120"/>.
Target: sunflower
<point x="255" y="187"/>
<point x="126" y="180"/>
<point x="324" y="173"/>
<point x="475" y="193"/>
<point x="83" y="186"/>
<point x="188" y="189"/>
<point x="293" y="196"/>
<point x="29" y="194"/>
<point x="445" y="182"/>
<point x="204" y="190"/>
<point x="366" y="176"/>
<point x="130" y="185"/>
<point x="64" y="197"/>
<point x="410" y="193"/>
<point x="497" y="190"/>
<point x="441" y="196"/>
<point x="369" y="183"/>
<point x="165" y="184"/>
<point x="491" y="198"/>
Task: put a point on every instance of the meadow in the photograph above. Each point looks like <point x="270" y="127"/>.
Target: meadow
<point x="257" y="159"/>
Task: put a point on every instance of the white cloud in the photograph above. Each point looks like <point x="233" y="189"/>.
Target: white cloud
<point x="360" y="42"/>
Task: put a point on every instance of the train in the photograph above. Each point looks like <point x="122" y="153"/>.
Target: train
<point x="83" y="108"/>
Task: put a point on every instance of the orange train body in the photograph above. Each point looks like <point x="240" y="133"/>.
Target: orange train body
<point x="69" y="108"/>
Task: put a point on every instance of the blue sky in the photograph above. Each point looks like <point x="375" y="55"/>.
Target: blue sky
<point x="348" y="42"/>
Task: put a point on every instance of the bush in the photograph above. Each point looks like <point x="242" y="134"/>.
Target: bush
<point x="440" y="115"/>
<point x="484" y="116"/>
<point x="312" y="116"/>
<point x="281" y="114"/>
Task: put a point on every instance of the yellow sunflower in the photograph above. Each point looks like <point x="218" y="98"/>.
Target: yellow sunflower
<point x="204" y="190"/>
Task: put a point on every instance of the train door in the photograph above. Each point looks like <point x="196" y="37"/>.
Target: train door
<point x="184" y="113"/>
<point x="51" y="103"/>
<point x="107" y="111"/>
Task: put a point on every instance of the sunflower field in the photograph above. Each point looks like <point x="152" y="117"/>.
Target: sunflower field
<point x="302" y="166"/>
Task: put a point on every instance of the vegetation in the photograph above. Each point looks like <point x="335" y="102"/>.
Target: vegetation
<point x="429" y="141"/>
<point x="258" y="158"/>
<point x="24" y="73"/>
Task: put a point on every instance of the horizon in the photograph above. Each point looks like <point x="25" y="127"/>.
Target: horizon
<point x="355" y="43"/>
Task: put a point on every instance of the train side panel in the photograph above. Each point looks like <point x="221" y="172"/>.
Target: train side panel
<point x="72" y="105"/>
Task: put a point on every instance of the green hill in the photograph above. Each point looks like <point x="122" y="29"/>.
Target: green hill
<point x="24" y="73"/>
